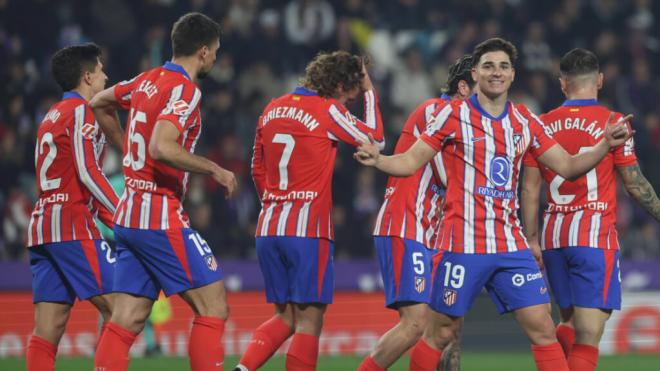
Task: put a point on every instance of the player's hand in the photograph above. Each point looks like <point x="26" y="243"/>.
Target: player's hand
<point x="366" y="80"/>
<point x="536" y="251"/>
<point x="226" y="179"/>
<point x="367" y="153"/>
<point x="617" y="133"/>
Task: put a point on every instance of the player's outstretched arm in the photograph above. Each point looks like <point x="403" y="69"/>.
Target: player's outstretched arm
<point x="164" y="147"/>
<point x="530" y="198"/>
<point x="573" y="167"/>
<point x="640" y="189"/>
<point x="403" y="164"/>
<point x="105" y="106"/>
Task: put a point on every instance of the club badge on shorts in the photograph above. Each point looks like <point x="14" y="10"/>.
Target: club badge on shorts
<point x="211" y="262"/>
<point x="420" y="284"/>
<point x="449" y="297"/>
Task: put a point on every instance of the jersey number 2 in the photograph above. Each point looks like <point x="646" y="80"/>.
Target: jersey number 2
<point x="48" y="184"/>
<point x="592" y="186"/>
<point x="289" y="143"/>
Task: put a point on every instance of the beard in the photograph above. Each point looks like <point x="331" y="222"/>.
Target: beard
<point x="202" y="74"/>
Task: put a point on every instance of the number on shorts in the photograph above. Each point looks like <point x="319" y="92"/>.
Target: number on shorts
<point x="454" y="275"/>
<point x="108" y="252"/>
<point x="418" y="262"/>
<point x="200" y="244"/>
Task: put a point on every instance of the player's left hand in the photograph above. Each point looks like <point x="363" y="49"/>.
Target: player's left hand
<point x="617" y="133"/>
<point x="367" y="153"/>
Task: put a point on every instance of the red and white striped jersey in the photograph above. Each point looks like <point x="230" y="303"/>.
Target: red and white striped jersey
<point x="294" y="156"/>
<point x="412" y="205"/>
<point x="154" y="190"/>
<point x="72" y="188"/>
<point x="480" y="213"/>
<point x="582" y="212"/>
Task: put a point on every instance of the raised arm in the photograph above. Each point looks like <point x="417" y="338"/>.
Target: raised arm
<point x="105" y="106"/>
<point x="572" y="167"/>
<point x="164" y="147"/>
<point x="403" y="164"/>
<point x="640" y="189"/>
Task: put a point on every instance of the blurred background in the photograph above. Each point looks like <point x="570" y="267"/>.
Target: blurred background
<point x="264" y="48"/>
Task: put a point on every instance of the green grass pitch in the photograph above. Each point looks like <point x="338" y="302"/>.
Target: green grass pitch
<point x="470" y="361"/>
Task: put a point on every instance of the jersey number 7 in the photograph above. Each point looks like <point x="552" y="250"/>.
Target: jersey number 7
<point x="289" y="144"/>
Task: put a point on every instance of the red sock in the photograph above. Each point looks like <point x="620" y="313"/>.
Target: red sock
<point x="40" y="354"/>
<point x="549" y="357"/>
<point x="566" y="337"/>
<point x="423" y="357"/>
<point x="583" y="358"/>
<point x="369" y="365"/>
<point x="303" y="353"/>
<point x="112" y="352"/>
<point x="98" y="340"/>
<point x="205" y="347"/>
<point x="266" y="340"/>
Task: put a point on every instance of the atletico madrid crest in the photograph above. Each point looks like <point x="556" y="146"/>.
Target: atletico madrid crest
<point x="211" y="262"/>
<point x="449" y="297"/>
<point x="420" y="284"/>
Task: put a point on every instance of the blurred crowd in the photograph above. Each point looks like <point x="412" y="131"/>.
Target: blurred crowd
<point x="264" y="48"/>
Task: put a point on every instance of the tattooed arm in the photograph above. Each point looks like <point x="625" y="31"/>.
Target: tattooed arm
<point x="640" y="189"/>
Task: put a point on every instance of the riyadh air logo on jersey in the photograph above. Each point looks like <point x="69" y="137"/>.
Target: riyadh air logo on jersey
<point x="180" y="107"/>
<point x="88" y="131"/>
<point x="500" y="170"/>
<point x="449" y="297"/>
<point x="211" y="262"/>
<point x="420" y="284"/>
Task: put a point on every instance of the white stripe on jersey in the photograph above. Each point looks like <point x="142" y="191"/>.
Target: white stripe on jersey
<point x="333" y="137"/>
<point x="348" y="126"/>
<point x="469" y="171"/>
<point x="191" y="107"/>
<point x="40" y="226"/>
<point x="370" y="109"/>
<point x="440" y="168"/>
<point x="419" y="207"/>
<point x="30" y="226"/>
<point x="379" y="218"/>
<point x="164" y="212"/>
<point x="89" y="233"/>
<point x="266" y="220"/>
<point x="81" y="165"/>
<point x="556" y="231"/>
<point x="55" y="223"/>
<point x="594" y="231"/>
<point x="511" y="154"/>
<point x="574" y="229"/>
<point x="431" y="230"/>
<point x="175" y="95"/>
<point x="403" y="226"/>
<point x="440" y="119"/>
<point x="491" y="233"/>
<point x="546" y="219"/>
<point x="284" y="215"/>
<point x="303" y="218"/>
<point x="428" y="115"/>
<point x="145" y="210"/>
<point x="129" y="208"/>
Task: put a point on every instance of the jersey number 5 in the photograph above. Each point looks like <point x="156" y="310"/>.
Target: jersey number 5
<point x="289" y="144"/>
<point x="592" y="186"/>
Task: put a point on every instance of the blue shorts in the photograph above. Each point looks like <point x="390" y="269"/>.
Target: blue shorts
<point x="513" y="281"/>
<point x="585" y="277"/>
<point x="297" y="269"/>
<point x="174" y="260"/>
<point x="62" y="271"/>
<point x="406" y="266"/>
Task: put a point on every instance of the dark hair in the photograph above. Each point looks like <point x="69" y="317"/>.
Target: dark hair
<point x="328" y="71"/>
<point x="69" y="64"/>
<point x="191" y="32"/>
<point x="493" y="45"/>
<point x="460" y="70"/>
<point x="578" y="62"/>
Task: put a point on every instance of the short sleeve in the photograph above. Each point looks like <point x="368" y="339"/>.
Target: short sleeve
<point x="183" y="101"/>
<point x="541" y="139"/>
<point x="530" y="161"/>
<point x="624" y="155"/>
<point x="124" y="91"/>
<point x="441" y="127"/>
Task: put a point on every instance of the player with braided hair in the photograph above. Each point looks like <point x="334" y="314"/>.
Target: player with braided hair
<point x="407" y="225"/>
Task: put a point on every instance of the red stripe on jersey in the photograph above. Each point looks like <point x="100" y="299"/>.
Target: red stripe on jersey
<point x="324" y="255"/>
<point x="175" y="236"/>
<point x="398" y="249"/>
<point x="610" y="260"/>
<point x="437" y="258"/>
<point x="89" y="248"/>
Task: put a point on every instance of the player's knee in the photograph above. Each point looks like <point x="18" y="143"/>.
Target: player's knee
<point x="588" y="334"/>
<point x="415" y="327"/>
